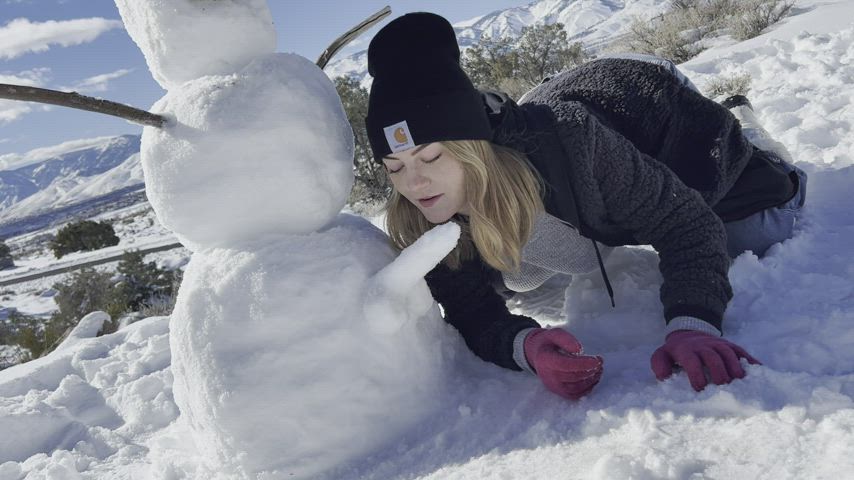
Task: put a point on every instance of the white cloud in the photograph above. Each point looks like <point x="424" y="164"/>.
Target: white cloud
<point x="98" y="83"/>
<point x="33" y="78"/>
<point x="21" y="36"/>
<point x="11" y="110"/>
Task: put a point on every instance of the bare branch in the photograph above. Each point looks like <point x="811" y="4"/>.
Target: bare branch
<point x="80" y="102"/>
<point x="350" y="35"/>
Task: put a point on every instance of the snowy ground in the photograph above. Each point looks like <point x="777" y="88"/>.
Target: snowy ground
<point x="103" y="407"/>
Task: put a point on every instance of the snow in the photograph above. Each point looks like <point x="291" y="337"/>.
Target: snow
<point x="385" y="401"/>
<point x="278" y="123"/>
<point x="186" y="39"/>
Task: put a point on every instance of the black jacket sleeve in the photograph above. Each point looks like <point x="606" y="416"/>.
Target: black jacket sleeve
<point x="472" y="305"/>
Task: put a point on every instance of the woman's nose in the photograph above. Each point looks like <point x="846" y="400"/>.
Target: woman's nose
<point x="415" y="180"/>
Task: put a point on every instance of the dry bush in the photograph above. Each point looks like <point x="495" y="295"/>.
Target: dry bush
<point x="736" y="84"/>
<point x="754" y="16"/>
<point x="667" y="37"/>
<point x="678" y="34"/>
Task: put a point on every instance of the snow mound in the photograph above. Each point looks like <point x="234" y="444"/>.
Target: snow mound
<point x="88" y="403"/>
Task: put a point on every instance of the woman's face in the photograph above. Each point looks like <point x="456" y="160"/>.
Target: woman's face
<point x="431" y="178"/>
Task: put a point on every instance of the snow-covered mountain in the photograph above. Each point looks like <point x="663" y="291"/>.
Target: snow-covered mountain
<point x="50" y="178"/>
<point x="595" y="23"/>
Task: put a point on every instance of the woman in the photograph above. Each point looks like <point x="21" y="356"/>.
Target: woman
<point x="617" y="152"/>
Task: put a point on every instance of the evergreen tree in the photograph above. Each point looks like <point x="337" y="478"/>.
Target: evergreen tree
<point x="544" y="50"/>
<point x="514" y="66"/>
<point x="84" y="292"/>
<point x="84" y="235"/>
<point x="141" y="282"/>
<point x="490" y="61"/>
<point x="6" y="260"/>
<point x="371" y="183"/>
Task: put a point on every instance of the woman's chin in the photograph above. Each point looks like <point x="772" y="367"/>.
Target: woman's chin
<point x="437" y="218"/>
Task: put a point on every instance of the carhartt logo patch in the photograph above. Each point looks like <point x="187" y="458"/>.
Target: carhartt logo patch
<point x="398" y="137"/>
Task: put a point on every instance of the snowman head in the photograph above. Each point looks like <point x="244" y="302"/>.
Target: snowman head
<point x="267" y="150"/>
<point x="187" y="39"/>
<point x="258" y="142"/>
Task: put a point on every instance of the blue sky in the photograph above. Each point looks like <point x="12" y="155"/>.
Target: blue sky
<point x="81" y="45"/>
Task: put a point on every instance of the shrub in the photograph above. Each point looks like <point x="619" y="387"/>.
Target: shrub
<point x="11" y="356"/>
<point x="26" y="332"/>
<point x="737" y="84"/>
<point x="514" y="66"/>
<point x="6" y="260"/>
<point x="85" y="291"/>
<point x="371" y="185"/>
<point x="137" y="286"/>
<point x="664" y="37"/>
<point x="6" y="331"/>
<point x="754" y="16"/>
<point x="84" y="235"/>
<point x="678" y="34"/>
<point x="140" y="282"/>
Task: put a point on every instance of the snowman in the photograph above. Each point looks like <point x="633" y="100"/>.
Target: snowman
<point x="300" y="341"/>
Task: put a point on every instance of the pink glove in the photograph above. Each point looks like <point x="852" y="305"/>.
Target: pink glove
<point x="556" y="357"/>
<point x="694" y="350"/>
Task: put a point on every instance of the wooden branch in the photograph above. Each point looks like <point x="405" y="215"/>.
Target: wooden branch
<point x="350" y="35"/>
<point x="80" y="102"/>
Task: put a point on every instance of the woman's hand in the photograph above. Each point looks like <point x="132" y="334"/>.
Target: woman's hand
<point x="694" y="351"/>
<point x="557" y="358"/>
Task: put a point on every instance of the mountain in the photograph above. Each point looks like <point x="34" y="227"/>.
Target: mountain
<point x="594" y="23"/>
<point x="67" y="175"/>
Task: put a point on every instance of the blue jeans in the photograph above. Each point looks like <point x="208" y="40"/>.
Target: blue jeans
<point x="767" y="227"/>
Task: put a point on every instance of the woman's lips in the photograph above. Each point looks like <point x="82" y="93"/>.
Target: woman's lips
<point x="430" y="201"/>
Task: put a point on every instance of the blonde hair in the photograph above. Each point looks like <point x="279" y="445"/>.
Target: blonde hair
<point x="503" y="194"/>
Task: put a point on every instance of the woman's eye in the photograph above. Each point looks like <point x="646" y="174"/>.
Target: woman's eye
<point x="433" y="159"/>
<point x="394" y="171"/>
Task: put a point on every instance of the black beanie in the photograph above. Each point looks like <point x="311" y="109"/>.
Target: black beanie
<point x="420" y="94"/>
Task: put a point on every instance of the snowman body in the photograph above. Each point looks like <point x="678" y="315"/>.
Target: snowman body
<point x="299" y="342"/>
<point x="263" y="362"/>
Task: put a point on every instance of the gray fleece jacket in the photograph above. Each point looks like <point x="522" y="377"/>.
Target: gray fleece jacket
<point x="629" y="156"/>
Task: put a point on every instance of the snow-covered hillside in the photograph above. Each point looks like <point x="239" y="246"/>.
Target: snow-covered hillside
<point x="103" y="407"/>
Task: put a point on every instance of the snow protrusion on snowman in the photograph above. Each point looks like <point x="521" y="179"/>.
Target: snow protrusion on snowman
<point x="297" y="345"/>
